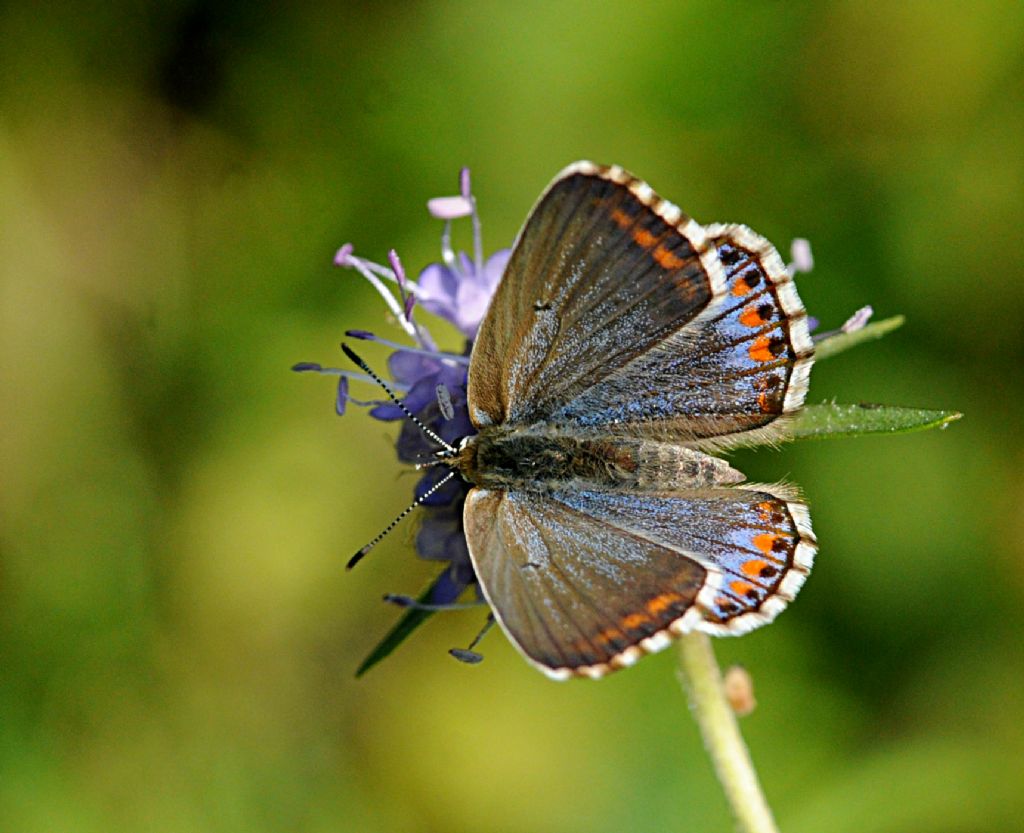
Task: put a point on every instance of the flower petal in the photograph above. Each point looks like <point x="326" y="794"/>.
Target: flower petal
<point x="438" y="288"/>
<point x="449" y="208"/>
<point x="408" y="367"/>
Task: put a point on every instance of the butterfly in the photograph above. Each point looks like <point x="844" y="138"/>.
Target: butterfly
<point x="626" y="343"/>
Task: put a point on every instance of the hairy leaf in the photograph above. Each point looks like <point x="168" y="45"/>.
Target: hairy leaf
<point x="831" y="419"/>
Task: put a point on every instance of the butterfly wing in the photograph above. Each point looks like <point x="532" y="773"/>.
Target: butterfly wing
<point x="602" y="271"/>
<point x="616" y="312"/>
<point x="724" y="380"/>
<point x="587" y="582"/>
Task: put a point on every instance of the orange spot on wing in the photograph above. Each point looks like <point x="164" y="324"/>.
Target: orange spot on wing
<point x="667" y="260"/>
<point x="609" y="635"/>
<point x="635" y="620"/>
<point x="772" y="513"/>
<point x="760" y="350"/>
<point x="644" y="238"/>
<point x="621" y="218"/>
<point x="750" y="317"/>
<point x="765" y="542"/>
<point x="662" y="602"/>
<point x="753" y="567"/>
<point x="741" y="588"/>
<point x="740" y="288"/>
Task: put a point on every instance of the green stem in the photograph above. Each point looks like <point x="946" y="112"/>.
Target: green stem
<point x="702" y="679"/>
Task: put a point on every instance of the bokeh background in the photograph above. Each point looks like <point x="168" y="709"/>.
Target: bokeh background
<point x="177" y="634"/>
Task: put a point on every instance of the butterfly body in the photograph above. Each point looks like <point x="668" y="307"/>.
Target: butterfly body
<point x="625" y="344"/>
<point x="544" y="458"/>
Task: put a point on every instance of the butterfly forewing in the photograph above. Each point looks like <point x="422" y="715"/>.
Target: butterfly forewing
<point x="602" y="272"/>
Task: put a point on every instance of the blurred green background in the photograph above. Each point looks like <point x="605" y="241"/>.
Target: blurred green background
<point x="177" y="634"/>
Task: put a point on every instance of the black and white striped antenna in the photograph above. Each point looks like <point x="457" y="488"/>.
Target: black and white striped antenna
<point x="449" y="451"/>
<point x="387" y="389"/>
<point x="355" y="559"/>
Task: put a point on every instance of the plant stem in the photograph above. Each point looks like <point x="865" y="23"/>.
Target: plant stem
<point x="699" y="674"/>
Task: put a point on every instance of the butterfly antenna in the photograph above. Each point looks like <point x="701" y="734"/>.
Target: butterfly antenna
<point x="355" y="559"/>
<point x="468" y="655"/>
<point x="387" y="389"/>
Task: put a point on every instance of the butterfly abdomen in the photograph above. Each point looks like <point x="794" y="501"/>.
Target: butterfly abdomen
<point x="529" y="459"/>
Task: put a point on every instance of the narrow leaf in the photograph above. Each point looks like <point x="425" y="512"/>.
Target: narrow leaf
<point x="412" y="619"/>
<point x="832" y="345"/>
<point x="830" y="419"/>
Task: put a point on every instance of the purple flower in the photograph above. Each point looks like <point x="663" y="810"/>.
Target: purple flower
<point x="430" y="382"/>
<point x="461" y="292"/>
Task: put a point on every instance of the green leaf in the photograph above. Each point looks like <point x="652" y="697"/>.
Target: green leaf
<point x="830" y="419"/>
<point x="412" y="619"/>
<point x="844" y="341"/>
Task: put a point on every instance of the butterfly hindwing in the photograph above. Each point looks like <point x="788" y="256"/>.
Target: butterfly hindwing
<point x="754" y="541"/>
<point x="584" y="582"/>
<point x="576" y="597"/>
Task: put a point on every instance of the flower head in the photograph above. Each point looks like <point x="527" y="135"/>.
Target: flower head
<point x="431" y="382"/>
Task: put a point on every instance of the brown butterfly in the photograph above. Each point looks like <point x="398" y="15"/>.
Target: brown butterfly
<point x="624" y="343"/>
